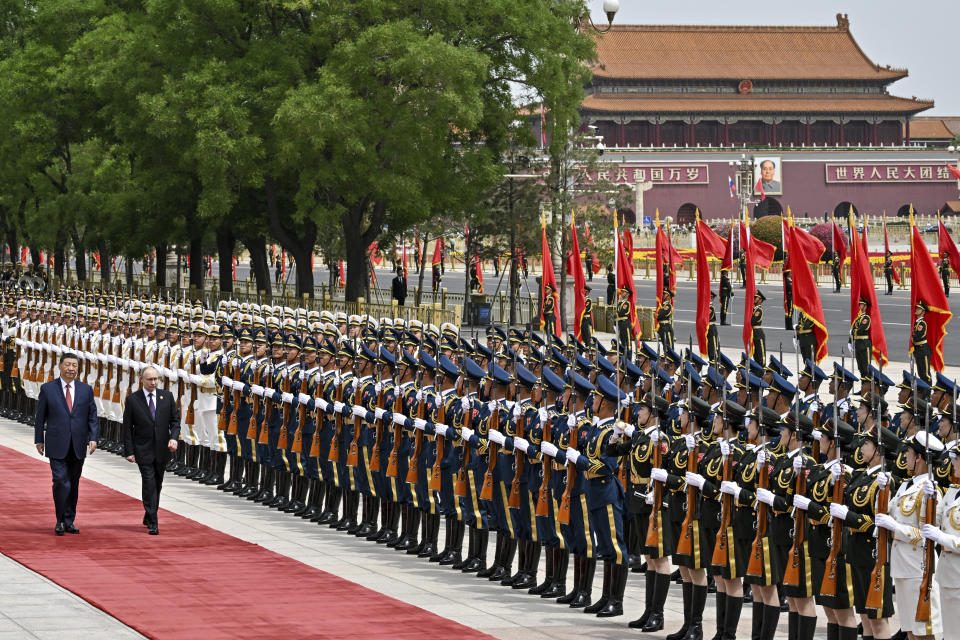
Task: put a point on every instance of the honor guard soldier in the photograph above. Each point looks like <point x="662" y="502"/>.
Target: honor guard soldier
<point x="806" y="340"/>
<point x="888" y="272"/>
<point x="624" y="328"/>
<point x="586" y="318"/>
<point x="787" y="298"/>
<point x="473" y="464"/>
<point x="918" y="343"/>
<point x="756" y="321"/>
<point x="835" y="267"/>
<point x="665" y="320"/>
<point x="860" y="338"/>
<point x="947" y="535"/>
<point x="945" y="272"/>
<point x="726" y="292"/>
<point x="713" y="335"/>
<point x="549" y="310"/>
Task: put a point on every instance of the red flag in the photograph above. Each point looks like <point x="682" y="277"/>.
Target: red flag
<point x="762" y="252"/>
<point x="233" y="266"/>
<point x="624" y="270"/>
<point x="806" y="295"/>
<point x="807" y="242"/>
<point x="759" y="187"/>
<point x="586" y="231"/>
<point x="660" y="243"/>
<point x="925" y="285"/>
<point x="886" y="250"/>
<point x="746" y="245"/>
<point x="436" y="252"/>
<point x="628" y="244"/>
<point x="946" y="245"/>
<point x="708" y="243"/>
<point x="954" y="170"/>
<point x="209" y="267"/>
<point x="341" y="275"/>
<point x="785" y="233"/>
<point x="861" y="286"/>
<point x="579" y="282"/>
<point x="548" y="278"/>
<point x="283" y="264"/>
<point x="727" y="263"/>
<point x="839" y="246"/>
<point x="478" y="268"/>
<point x="96" y="258"/>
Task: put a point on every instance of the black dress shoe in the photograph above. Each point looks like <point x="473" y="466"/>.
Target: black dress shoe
<point x="69" y="528"/>
<point x="154" y="531"/>
<point x="145" y="522"/>
<point x="58" y="529"/>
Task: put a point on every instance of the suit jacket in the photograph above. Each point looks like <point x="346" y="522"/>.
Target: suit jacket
<point x="144" y="437"/>
<point x="56" y="427"/>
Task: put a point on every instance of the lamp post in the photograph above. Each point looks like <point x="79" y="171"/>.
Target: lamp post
<point x="744" y="172"/>
<point x="610" y="7"/>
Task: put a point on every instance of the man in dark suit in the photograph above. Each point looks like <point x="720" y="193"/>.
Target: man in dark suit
<point x="151" y="428"/>
<point x="65" y="430"/>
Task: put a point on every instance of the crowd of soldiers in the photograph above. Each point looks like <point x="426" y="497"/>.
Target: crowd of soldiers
<point x="761" y="487"/>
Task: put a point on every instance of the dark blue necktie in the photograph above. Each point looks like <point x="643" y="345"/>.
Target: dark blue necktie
<point x="153" y="408"/>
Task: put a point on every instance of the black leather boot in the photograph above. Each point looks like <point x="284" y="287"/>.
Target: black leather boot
<point x="522" y="550"/>
<point x="452" y="556"/>
<point x="368" y="524"/>
<point x="698" y="600"/>
<point x="585" y="592"/>
<point x="313" y="493"/>
<point x="532" y="566"/>
<point x="561" y="560"/>
<point x="577" y="576"/>
<point x="548" y="578"/>
<point x="650" y="581"/>
<point x="404" y="528"/>
<point x="687" y="590"/>
<point x="806" y="627"/>
<point x="351" y="525"/>
<point x="479" y="561"/>
<point x="424" y="534"/>
<point x="731" y="619"/>
<point x="413" y="527"/>
<point x="661" y="588"/>
<point x="449" y="524"/>
<point x="618" y="585"/>
<point x="219" y="465"/>
<point x="506" y="561"/>
<point x="266" y="486"/>
<point x="486" y="573"/>
<point x="771" y="617"/>
<point x="300" y="496"/>
<point x="429" y="547"/>
<point x="471" y="551"/>
<point x="378" y="534"/>
<point x="391" y="532"/>
<point x="597" y="606"/>
<point x="721" y="604"/>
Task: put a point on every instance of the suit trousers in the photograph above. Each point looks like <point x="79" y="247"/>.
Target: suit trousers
<point x="151" y="476"/>
<point x="66" y="485"/>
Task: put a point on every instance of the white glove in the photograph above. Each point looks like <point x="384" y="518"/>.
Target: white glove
<point x="882" y="479"/>
<point x="724" y="448"/>
<point x="658" y="475"/>
<point x="419" y="423"/>
<point x="626" y="401"/>
<point x="887" y="522"/>
<point x="543" y="414"/>
<point x="256" y="390"/>
<point x="617" y="428"/>
<point x="816" y="435"/>
<point x="466" y="433"/>
<point x="286" y="397"/>
<point x="691" y="441"/>
<point x="441" y="429"/>
<point x="761" y="457"/>
<point x="801" y="502"/>
<point x="765" y="496"/>
<point x="928" y="488"/>
<point x="517" y="410"/>
<point x="655" y="436"/>
<point x="496" y="436"/>
<point x="595" y="420"/>
<point x="137" y="366"/>
<point x="197" y="380"/>
<point x="549" y="449"/>
<point x="378" y="387"/>
<point x="850" y="348"/>
<point x="571" y="421"/>
<point x="932" y="533"/>
<point x="629" y="430"/>
<point x="321" y="403"/>
<point x="171" y="375"/>
<point x="835" y="472"/>
<point x="338" y="407"/>
<point x="521" y="444"/>
<point x="796" y="345"/>
<point x="359" y="411"/>
<point x="238" y="385"/>
<point x="303" y="398"/>
<point x="492" y="406"/>
<point x="378" y="413"/>
<point x="398" y="418"/>
<point x="465" y="403"/>
<point x="572" y="455"/>
<point x="695" y="479"/>
<point x="730" y="488"/>
<point x="839" y="511"/>
<point x="648" y="497"/>
<point x="797" y="463"/>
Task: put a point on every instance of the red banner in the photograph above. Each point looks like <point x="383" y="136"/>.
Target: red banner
<point x="806" y="295"/>
<point x="925" y="286"/>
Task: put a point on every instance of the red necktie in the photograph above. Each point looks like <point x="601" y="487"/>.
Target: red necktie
<point x="69" y="400"/>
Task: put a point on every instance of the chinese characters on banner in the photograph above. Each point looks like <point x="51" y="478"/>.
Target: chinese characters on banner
<point x="847" y="173"/>
<point x="662" y="174"/>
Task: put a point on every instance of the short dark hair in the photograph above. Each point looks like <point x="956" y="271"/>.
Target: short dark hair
<point x="68" y="355"/>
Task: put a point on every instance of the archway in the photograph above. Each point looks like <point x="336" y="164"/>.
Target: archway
<point x="842" y="210"/>
<point x="905" y="210"/>
<point x="769" y="206"/>
<point x="687" y="214"/>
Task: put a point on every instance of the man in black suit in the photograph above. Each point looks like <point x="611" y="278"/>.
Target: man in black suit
<point x="65" y="430"/>
<point x="151" y="428"/>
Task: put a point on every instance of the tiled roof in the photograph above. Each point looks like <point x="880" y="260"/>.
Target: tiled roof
<point x="930" y="129"/>
<point x="754" y="103"/>
<point x="736" y="53"/>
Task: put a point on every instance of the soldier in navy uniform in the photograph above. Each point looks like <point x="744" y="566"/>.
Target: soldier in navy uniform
<point x="860" y="337"/>
<point x="713" y="335"/>
<point x="624" y="327"/>
<point x="787" y="298"/>
<point x="325" y="393"/>
<point x="665" y="320"/>
<point x="945" y="272"/>
<point x="918" y="343"/>
<point x="806" y="340"/>
<point x="549" y="310"/>
<point x="473" y="509"/>
<point x="888" y="272"/>
<point x="726" y="292"/>
<point x="586" y="318"/>
<point x="756" y="321"/>
<point x="835" y="267"/>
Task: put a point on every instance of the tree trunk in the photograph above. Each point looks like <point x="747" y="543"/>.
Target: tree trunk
<point x="160" y="265"/>
<point x="60" y="257"/>
<point x="299" y="240"/>
<point x="13" y="246"/>
<point x="80" y="255"/>
<point x="467" y="291"/>
<point x="423" y="263"/>
<point x="197" y="266"/>
<point x="35" y="257"/>
<point x="106" y="264"/>
<point x="225" y="243"/>
<point x="357" y="263"/>
<point x="257" y="246"/>
<point x="128" y="263"/>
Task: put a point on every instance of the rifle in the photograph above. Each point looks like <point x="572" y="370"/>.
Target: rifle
<point x="929" y="517"/>
<point x="301" y="409"/>
<point x="264" y="436"/>
<point x="284" y="440"/>
<point x="225" y="415"/>
<point x="831" y="572"/>
<point x="514" y="501"/>
<point x="875" y="592"/>
<point x="721" y="548"/>
<point x="791" y="574"/>
<point x="685" y="544"/>
<point x="353" y="453"/>
<point x="378" y="436"/>
<point x="393" y="467"/>
<point x="486" y="492"/>
<point x="413" y="471"/>
<point x="654" y="523"/>
<point x="435" y="472"/>
<point x="252" y="424"/>
<point x="235" y="399"/>
<point x="460" y="485"/>
<point x="115" y="398"/>
<point x="755" y="566"/>
<point x="543" y="498"/>
<point x="334" y="454"/>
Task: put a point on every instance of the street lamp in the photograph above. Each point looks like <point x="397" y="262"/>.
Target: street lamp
<point x="744" y="172"/>
<point x="610" y="7"/>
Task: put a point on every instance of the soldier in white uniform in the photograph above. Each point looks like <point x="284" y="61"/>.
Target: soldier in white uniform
<point x="904" y="519"/>
<point x="947" y="535"/>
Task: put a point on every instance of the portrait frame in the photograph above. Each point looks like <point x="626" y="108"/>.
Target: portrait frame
<point x="777" y="180"/>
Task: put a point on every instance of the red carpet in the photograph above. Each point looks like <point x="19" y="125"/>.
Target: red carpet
<point x="191" y="581"/>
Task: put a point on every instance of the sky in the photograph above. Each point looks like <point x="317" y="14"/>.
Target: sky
<point x="919" y="35"/>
